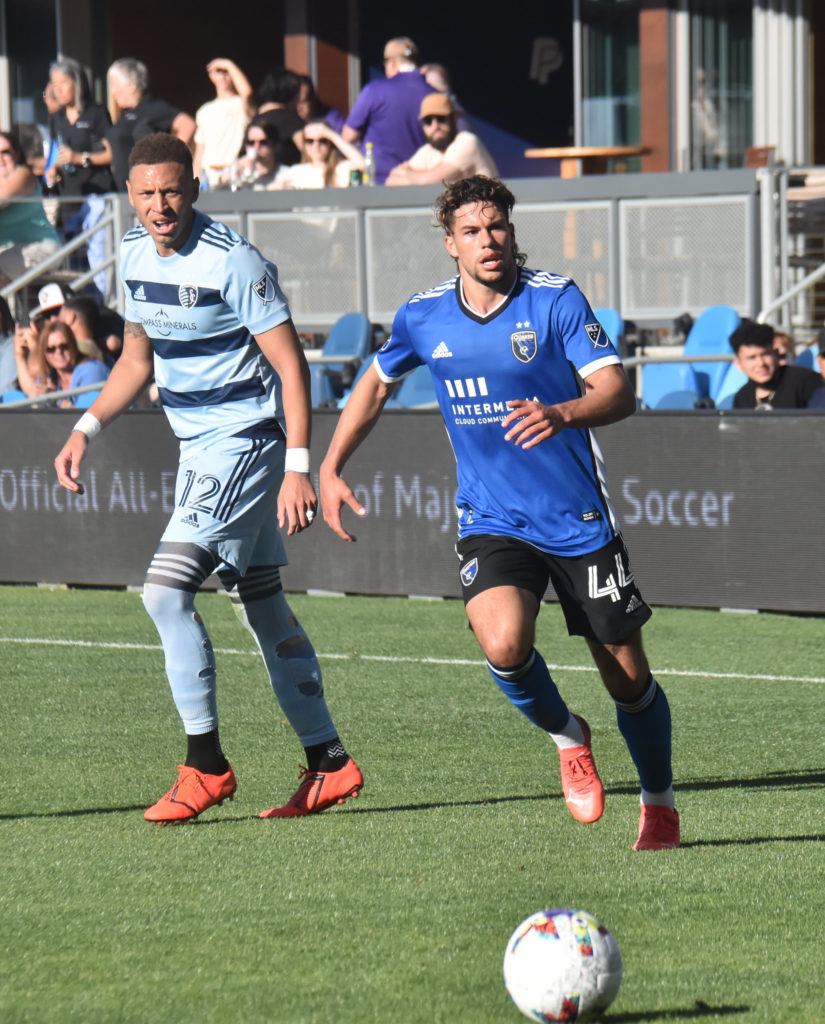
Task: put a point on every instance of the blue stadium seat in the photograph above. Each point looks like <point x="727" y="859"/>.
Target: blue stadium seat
<point x="709" y="336"/>
<point x="612" y="322"/>
<point x="362" y="369"/>
<point x="660" y="379"/>
<point x="733" y="380"/>
<point x="13" y="395"/>
<point x="678" y="400"/>
<point x="84" y="400"/>
<point x="351" y="340"/>
<point x="414" y="391"/>
<point x="807" y="358"/>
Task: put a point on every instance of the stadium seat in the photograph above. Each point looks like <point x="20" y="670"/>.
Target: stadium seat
<point x="660" y="379"/>
<point x="709" y="336"/>
<point x="415" y="391"/>
<point x="807" y="358"/>
<point x="13" y="395"/>
<point x="613" y="324"/>
<point x="678" y="400"/>
<point x="362" y="369"/>
<point x="351" y="340"/>
<point x="84" y="400"/>
<point x="733" y="380"/>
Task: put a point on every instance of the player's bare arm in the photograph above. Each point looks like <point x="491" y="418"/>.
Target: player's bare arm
<point x="360" y="415"/>
<point x="129" y="376"/>
<point x="281" y="347"/>
<point x="608" y="398"/>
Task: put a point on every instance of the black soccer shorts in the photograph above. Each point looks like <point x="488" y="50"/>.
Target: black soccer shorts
<point x="597" y="591"/>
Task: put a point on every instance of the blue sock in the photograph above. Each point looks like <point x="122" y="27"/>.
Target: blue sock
<point x="529" y="687"/>
<point x="645" y="726"/>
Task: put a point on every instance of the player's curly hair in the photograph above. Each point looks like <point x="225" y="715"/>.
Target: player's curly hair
<point x="161" y="148"/>
<point x="476" y="189"/>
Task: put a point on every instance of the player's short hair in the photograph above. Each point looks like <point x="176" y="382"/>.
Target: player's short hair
<point x="476" y="189"/>
<point x="751" y="333"/>
<point x="161" y="148"/>
<point x="131" y="70"/>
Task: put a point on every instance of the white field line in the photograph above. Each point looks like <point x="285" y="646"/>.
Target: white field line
<point x="395" y="659"/>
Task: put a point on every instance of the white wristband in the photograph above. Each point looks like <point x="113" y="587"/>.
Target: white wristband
<point x="88" y="425"/>
<point x="296" y="460"/>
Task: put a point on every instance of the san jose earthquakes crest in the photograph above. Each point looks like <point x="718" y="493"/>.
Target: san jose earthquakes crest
<point x="524" y="345"/>
<point x="188" y="295"/>
<point x="469" y="572"/>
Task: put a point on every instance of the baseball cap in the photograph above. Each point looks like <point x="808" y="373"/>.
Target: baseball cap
<point x="437" y="103"/>
<point x="49" y="297"/>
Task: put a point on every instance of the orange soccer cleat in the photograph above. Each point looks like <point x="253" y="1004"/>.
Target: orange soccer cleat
<point x="658" y="828"/>
<point x="320" y="790"/>
<point x="192" y="793"/>
<point x="583" y="790"/>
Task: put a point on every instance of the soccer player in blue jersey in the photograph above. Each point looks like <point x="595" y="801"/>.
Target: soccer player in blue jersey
<point x="204" y="313"/>
<point x="522" y="371"/>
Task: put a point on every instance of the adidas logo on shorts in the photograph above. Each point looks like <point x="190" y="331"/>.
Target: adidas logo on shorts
<point x="633" y="604"/>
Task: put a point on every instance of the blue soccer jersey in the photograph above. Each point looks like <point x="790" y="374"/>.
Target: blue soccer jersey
<point x="540" y="343"/>
<point x="212" y="378"/>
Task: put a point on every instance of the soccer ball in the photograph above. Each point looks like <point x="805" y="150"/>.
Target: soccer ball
<point x="562" y="965"/>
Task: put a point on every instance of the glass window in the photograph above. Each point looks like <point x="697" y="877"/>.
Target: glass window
<point x="721" y="65"/>
<point x="610" y="72"/>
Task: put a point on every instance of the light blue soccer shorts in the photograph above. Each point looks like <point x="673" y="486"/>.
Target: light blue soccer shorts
<point x="226" y="498"/>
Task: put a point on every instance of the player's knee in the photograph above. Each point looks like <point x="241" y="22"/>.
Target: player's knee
<point x="506" y="651"/>
<point x="164" y="602"/>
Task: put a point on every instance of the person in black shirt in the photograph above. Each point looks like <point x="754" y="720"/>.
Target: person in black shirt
<point x="278" y="99"/>
<point x="770" y="385"/>
<point x="141" y="114"/>
<point x="79" y="128"/>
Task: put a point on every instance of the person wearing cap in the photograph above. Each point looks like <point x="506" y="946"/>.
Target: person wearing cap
<point x="386" y="112"/>
<point x="448" y="154"/>
<point x="770" y="385"/>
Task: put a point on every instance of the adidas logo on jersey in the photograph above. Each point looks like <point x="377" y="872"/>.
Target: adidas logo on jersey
<point x="191" y="519"/>
<point x="441" y="351"/>
<point x="140" y="294"/>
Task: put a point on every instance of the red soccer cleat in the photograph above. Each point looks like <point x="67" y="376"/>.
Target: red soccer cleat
<point x="658" y="828"/>
<point x="583" y="790"/>
<point x="192" y="793"/>
<point x="320" y="790"/>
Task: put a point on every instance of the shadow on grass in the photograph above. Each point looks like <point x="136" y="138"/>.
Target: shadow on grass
<point x="771" y="780"/>
<point x="699" y="1009"/>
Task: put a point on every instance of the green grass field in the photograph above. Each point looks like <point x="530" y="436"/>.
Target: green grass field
<point x="397" y="906"/>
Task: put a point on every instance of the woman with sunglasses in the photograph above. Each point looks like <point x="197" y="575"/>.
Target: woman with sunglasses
<point x="327" y="160"/>
<point x="26" y="236"/>
<point x="61" y="365"/>
<point x="258" y="166"/>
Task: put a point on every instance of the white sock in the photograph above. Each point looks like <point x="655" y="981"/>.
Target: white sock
<point x="664" y="799"/>
<point x="571" y="736"/>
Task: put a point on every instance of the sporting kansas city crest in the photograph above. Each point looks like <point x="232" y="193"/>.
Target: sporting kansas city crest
<point x="524" y="345"/>
<point x="264" y="289"/>
<point x="596" y="335"/>
<point x="188" y="295"/>
<point x="469" y="572"/>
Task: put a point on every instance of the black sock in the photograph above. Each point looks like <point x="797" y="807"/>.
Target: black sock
<point x="326" y="757"/>
<point x="204" y="753"/>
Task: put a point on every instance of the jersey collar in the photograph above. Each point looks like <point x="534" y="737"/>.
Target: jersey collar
<point x="483" y="318"/>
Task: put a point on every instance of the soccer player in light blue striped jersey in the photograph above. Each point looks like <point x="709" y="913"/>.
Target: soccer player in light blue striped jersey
<point x="204" y="313"/>
<point x="522" y="371"/>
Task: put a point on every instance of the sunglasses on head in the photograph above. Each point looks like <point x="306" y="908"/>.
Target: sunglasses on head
<point x="441" y="118"/>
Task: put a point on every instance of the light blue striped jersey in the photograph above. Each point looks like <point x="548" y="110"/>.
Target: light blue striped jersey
<point x="539" y="343"/>
<point x="201" y="308"/>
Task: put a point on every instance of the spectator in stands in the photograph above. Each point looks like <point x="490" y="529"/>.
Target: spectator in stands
<point x="26" y="236"/>
<point x="820" y="356"/>
<point x="260" y="166"/>
<point x="221" y="122"/>
<point x="278" y="101"/>
<point x="386" y="112"/>
<point x="137" y="113"/>
<point x="310" y="107"/>
<point x="448" y="154"/>
<point x="80" y="128"/>
<point x="770" y="385"/>
<point x="82" y="314"/>
<point x="785" y="348"/>
<point x="438" y="77"/>
<point x="327" y="159"/>
<point x="61" y="365"/>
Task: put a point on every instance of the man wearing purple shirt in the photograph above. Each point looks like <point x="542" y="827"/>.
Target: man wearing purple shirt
<point x="386" y="111"/>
